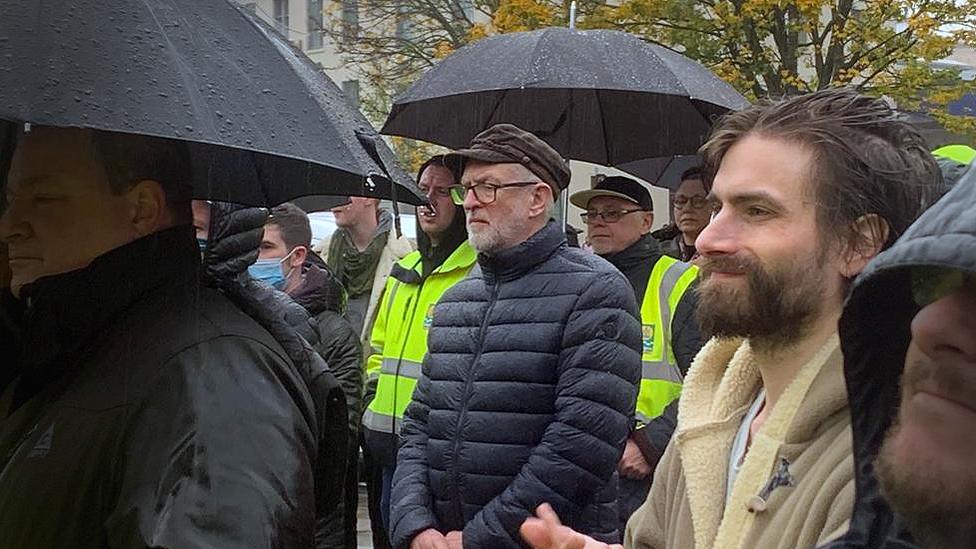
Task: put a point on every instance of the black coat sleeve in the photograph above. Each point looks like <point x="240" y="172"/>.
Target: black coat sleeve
<point x="339" y="345"/>
<point x="596" y="391"/>
<point x="686" y="340"/>
<point x="219" y="454"/>
<point x="686" y="337"/>
<point x="653" y="437"/>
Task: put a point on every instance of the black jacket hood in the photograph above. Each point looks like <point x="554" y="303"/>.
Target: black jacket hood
<point x="433" y="257"/>
<point x="875" y="333"/>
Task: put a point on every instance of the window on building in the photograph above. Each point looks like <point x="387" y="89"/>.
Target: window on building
<point x="350" y="19"/>
<point x="314" y="24"/>
<point x="280" y="13"/>
<point x="350" y="89"/>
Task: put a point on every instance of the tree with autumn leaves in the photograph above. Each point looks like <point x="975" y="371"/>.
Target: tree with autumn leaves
<point x="772" y="48"/>
<point x="764" y="48"/>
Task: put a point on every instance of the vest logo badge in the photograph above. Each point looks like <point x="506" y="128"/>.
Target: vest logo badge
<point x="647" y="333"/>
<point x="429" y="317"/>
<point x="43" y="445"/>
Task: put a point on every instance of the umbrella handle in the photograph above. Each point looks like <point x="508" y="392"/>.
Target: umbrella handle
<point x="369" y="144"/>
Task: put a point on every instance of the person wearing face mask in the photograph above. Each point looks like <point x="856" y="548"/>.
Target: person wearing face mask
<point x="285" y="263"/>
<point x="399" y="338"/>
<point x="230" y="237"/>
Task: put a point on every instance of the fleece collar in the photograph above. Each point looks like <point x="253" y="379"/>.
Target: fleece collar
<point x="719" y="387"/>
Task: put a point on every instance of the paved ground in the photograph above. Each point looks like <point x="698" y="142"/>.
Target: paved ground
<point x="363" y="535"/>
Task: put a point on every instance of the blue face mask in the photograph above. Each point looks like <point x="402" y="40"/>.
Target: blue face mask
<point x="268" y="271"/>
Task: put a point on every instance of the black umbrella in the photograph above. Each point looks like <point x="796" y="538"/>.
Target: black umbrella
<point x="264" y="123"/>
<point x="663" y="171"/>
<point x="601" y="96"/>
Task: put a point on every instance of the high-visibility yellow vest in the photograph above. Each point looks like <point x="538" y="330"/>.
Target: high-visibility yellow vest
<point x="660" y="376"/>
<point x="399" y="337"/>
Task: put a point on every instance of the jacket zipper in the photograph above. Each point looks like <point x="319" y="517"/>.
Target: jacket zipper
<point x="464" y="403"/>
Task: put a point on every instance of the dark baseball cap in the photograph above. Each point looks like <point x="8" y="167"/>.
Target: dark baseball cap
<point x="616" y="186"/>
<point x="508" y="144"/>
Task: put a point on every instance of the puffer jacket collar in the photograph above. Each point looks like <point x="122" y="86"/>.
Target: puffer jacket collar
<point x="515" y="262"/>
<point x="65" y="312"/>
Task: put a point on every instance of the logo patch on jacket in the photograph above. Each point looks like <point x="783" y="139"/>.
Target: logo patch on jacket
<point x="647" y="333"/>
<point x="43" y="445"/>
<point x="429" y="317"/>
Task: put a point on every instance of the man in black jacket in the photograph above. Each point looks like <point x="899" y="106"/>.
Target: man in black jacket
<point x="909" y="342"/>
<point x="230" y="237"/>
<point x="527" y="391"/>
<point x="618" y="213"/>
<point x="150" y="411"/>
<point x="287" y="259"/>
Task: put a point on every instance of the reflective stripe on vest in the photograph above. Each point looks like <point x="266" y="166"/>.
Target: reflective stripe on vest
<point x="406" y="313"/>
<point x="660" y="376"/>
<point x="397" y="377"/>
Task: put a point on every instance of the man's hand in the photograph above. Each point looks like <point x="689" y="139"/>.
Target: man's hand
<point x="546" y="532"/>
<point x="429" y="539"/>
<point x="454" y="540"/>
<point x="632" y="464"/>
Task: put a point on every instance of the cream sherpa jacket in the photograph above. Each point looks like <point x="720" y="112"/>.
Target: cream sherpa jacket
<point x="809" y="428"/>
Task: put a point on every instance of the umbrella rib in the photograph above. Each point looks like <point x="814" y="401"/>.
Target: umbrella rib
<point x="603" y="126"/>
<point x="494" y="109"/>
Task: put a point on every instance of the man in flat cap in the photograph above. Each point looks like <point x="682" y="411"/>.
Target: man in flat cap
<point x="528" y="389"/>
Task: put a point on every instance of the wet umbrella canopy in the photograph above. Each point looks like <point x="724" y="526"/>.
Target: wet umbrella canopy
<point x="665" y="171"/>
<point x="599" y="96"/>
<point x="264" y="123"/>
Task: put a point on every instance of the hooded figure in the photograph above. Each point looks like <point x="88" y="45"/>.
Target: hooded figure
<point x="398" y="341"/>
<point x="875" y="333"/>
<point x="234" y="239"/>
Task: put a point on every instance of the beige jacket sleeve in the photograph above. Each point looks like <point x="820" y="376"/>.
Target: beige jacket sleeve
<point x="646" y="528"/>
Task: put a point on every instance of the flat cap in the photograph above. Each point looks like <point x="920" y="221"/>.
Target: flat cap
<point x="509" y="144"/>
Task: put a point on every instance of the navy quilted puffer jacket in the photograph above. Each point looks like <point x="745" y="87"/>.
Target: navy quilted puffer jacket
<point x="527" y="396"/>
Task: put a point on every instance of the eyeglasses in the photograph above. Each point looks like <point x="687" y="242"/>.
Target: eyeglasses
<point x="486" y="193"/>
<point x="696" y="202"/>
<point x="930" y="284"/>
<point x="435" y="192"/>
<point x="609" y="216"/>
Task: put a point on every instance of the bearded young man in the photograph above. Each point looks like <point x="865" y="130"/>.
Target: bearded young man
<point x="806" y="192"/>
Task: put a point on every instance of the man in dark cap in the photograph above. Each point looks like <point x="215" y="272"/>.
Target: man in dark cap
<point x="528" y="388"/>
<point x="618" y="213"/>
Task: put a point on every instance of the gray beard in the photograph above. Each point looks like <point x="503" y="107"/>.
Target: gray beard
<point x="495" y="238"/>
<point x="486" y="241"/>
